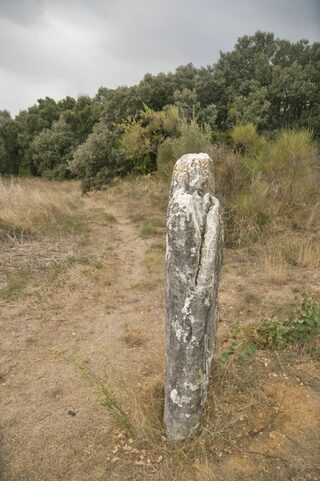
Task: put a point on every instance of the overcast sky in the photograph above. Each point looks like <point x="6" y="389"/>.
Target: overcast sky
<point x="69" y="47"/>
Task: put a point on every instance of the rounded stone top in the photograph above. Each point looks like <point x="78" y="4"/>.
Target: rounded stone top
<point x="194" y="172"/>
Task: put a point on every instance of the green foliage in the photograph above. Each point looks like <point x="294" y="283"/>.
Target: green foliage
<point x="81" y="116"/>
<point x="253" y="108"/>
<point x="264" y="82"/>
<point x="119" y="104"/>
<point x="300" y="330"/>
<point x="36" y="126"/>
<point x="192" y="138"/>
<point x="98" y="161"/>
<point x="143" y="135"/>
<point x="281" y="78"/>
<point x="245" y="134"/>
<point x="52" y="149"/>
<point x="293" y="152"/>
<point x="189" y="105"/>
<point x="187" y="101"/>
<point x="31" y="122"/>
<point x="9" y="154"/>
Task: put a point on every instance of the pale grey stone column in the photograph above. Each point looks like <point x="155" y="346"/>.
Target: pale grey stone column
<point x="194" y="256"/>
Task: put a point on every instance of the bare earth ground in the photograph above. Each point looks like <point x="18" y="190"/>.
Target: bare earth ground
<point x="98" y="299"/>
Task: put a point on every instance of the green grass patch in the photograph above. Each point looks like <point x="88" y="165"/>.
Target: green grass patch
<point x="86" y="260"/>
<point x="148" y="230"/>
<point x="159" y="222"/>
<point x="153" y="226"/>
<point x="158" y="246"/>
<point x="109" y="218"/>
<point x="146" y="285"/>
<point x="139" y="217"/>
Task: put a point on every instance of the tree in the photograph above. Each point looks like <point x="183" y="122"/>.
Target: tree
<point x="284" y="74"/>
<point x="98" y="160"/>
<point x="52" y="149"/>
<point x="187" y="101"/>
<point x="119" y="104"/>
<point x="81" y="116"/>
<point x="190" y="107"/>
<point x="31" y="122"/>
<point x="9" y="149"/>
<point x="156" y="91"/>
<point x="292" y="92"/>
<point x="253" y="108"/>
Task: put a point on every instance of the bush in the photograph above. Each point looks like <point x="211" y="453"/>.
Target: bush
<point x="269" y="182"/>
<point x="98" y="160"/>
<point x="293" y="154"/>
<point x="244" y="134"/>
<point x="142" y="136"/>
<point x="192" y="139"/>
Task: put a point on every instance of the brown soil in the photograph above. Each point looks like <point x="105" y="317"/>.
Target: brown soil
<point x="101" y="301"/>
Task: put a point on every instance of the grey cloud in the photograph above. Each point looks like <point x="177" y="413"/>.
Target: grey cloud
<point x="25" y="12"/>
<point x="58" y="47"/>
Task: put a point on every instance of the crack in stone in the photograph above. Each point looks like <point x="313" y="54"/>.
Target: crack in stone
<point x="203" y="235"/>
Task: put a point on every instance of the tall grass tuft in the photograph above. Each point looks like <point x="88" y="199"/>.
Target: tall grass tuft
<point x="268" y="183"/>
<point x="107" y="397"/>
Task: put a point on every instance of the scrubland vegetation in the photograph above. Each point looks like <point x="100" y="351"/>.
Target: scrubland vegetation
<point x="91" y="300"/>
<point x="270" y="82"/>
<point x="82" y="276"/>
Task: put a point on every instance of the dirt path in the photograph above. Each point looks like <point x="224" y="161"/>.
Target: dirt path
<point x="48" y="409"/>
<point x="98" y="299"/>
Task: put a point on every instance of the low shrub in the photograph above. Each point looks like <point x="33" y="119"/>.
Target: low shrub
<point x="192" y="139"/>
<point x="300" y="330"/>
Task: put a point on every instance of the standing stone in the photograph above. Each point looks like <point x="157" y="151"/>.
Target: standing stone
<point x="194" y="256"/>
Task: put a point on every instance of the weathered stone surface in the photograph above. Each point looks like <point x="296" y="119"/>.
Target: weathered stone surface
<point x="194" y="255"/>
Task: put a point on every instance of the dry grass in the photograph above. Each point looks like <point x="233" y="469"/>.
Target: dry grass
<point x="42" y="226"/>
<point x="238" y="410"/>
<point x="146" y="198"/>
<point x="275" y="268"/>
<point x="302" y="251"/>
<point x="30" y="206"/>
<point x="279" y="253"/>
<point x="234" y="399"/>
<point x="147" y="402"/>
<point x="34" y="278"/>
<point x="107" y="397"/>
<point x="134" y="337"/>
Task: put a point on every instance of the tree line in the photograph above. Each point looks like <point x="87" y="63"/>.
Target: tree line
<point x="269" y="82"/>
